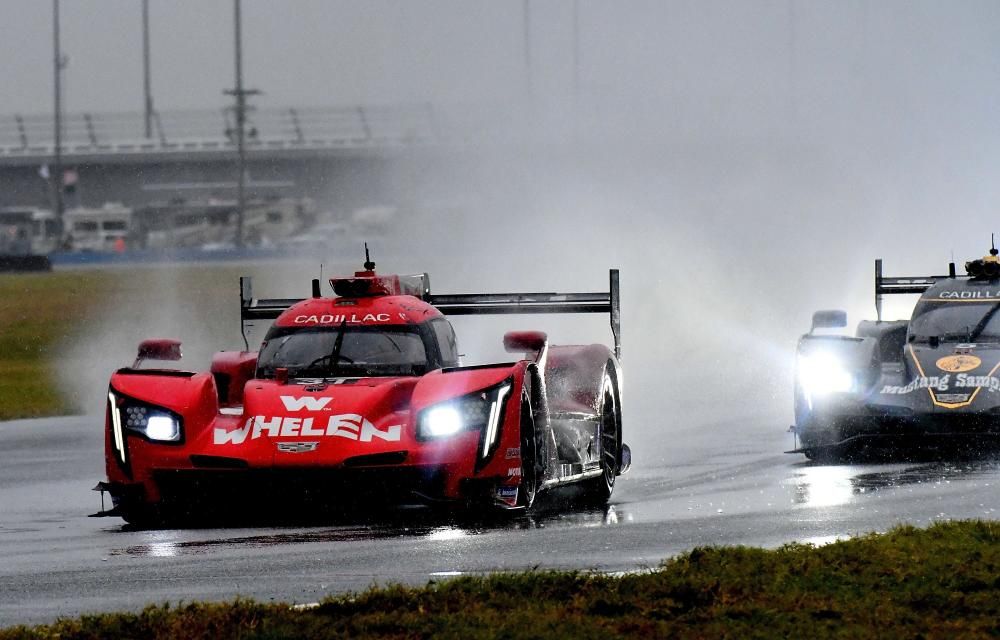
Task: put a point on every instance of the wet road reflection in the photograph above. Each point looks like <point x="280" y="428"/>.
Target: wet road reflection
<point x="741" y="491"/>
<point x="169" y="543"/>
<point x="828" y="486"/>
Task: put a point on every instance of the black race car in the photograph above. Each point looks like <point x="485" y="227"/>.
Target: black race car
<point x="931" y="381"/>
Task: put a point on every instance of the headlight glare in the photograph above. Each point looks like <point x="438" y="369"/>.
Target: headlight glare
<point x="162" y="428"/>
<point x="442" y="421"/>
<point x="822" y="373"/>
<point x="478" y="411"/>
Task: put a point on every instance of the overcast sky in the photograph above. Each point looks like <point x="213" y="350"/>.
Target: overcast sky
<point x="763" y="55"/>
<point x="869" y="126"/>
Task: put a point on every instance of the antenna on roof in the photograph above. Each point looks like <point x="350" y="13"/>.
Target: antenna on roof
<point x="369" y="265"/>
<point x="993" y="246"/>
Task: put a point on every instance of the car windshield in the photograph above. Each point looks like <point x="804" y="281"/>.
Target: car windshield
<point x="342" y="351"/>
<point x="956" y="322"/>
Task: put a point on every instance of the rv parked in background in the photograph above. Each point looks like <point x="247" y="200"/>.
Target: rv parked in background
<point x="105" y="228"/>
<point x="212" y="223"/>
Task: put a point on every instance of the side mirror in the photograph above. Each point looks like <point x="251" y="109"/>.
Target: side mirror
<point x="158" y="349"/>
<point x="829" y="319"/>
<point x="524" y="341"/>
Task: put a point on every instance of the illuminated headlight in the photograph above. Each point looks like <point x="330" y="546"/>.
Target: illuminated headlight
<point x="442" y="421"/>
<point x="156" y="424"/>
<point x="480" y="411"/>
<point x="163" y="428"/>
<point x="822" y="373"/>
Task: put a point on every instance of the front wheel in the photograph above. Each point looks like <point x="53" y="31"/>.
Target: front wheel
<point x="816" y="436"/>
<point x="142" y="516"/>
<point x="530" y="475"/>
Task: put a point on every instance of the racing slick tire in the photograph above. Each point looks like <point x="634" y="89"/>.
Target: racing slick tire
<point x="609" y="433"/>
<point x="530" y="473"/>
<point x="142" y="516"/>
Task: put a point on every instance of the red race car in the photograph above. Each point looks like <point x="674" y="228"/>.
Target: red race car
<point x="361" y="397"/>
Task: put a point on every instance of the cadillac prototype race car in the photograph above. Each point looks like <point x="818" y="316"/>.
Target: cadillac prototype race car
<point x="929" y="382"/>
<point x="361" y="397"/>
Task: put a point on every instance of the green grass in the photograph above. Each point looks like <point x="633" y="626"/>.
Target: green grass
<point x="43" y="315"/>
<point x="941" y="582"/>
<point x="38" y="312"/>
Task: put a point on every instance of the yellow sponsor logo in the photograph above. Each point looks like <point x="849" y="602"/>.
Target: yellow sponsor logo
<point x="958" y="363"/>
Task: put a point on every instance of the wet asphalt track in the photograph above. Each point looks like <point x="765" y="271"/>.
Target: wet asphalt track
<point x="55" y="561"/>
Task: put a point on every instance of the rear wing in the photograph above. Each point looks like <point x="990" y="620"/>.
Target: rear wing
<point x="466" y="304"/>
<point x="906" y="284"/>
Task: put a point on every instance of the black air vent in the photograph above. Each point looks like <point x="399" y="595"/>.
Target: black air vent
<point x="376" y="459"/>
<point x="218" y="462"/>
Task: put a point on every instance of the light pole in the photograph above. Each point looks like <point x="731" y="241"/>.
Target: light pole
<point x="147" y="87"/>
<point x="527" y="47"/>
<point x="57" y="66"/>
<point x="576" y="50"/>
<point x="240" y="94"/>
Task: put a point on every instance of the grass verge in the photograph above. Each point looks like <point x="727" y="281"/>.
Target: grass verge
<point x="37" y="312"/>
<point x="941" y="582"/>
<point x="43" y="317"/>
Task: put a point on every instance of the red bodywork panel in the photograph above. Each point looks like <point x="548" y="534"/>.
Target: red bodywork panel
<point x="233" y="422"/>
<point x="231" y="370"/>
<point x="341" y="423"/>
<point x="373" y="311"/>
<point x="574" y="375"/>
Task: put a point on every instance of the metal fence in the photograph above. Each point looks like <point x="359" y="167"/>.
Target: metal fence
<point x="194" y="131"/>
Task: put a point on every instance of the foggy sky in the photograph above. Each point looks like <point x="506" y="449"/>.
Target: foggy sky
<point x="779" y="57"/>
<point x="742" y="162"/>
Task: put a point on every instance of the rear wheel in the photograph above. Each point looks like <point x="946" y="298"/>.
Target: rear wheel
<point x="610" y="438"/>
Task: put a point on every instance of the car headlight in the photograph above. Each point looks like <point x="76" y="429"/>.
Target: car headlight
<point x="445" y="420"/>
<point x="154" y="423"/>
<point x="822" y="373"/>
<point x="479" y="411"/>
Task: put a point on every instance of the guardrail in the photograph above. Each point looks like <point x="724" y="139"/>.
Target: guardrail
<point x="198" y="131"/>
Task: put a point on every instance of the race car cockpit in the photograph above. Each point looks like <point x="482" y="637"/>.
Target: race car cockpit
<point x="356" y="350"/>
<point x="956" y="321"/>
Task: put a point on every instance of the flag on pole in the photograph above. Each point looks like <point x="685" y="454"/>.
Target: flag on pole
<point x="70" y="178"/>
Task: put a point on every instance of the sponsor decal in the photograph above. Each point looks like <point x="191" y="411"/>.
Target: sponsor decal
<point x="310" y="404"/>
<point x="944" y="383"/>
<point x="982" y="294"/>
<point x="514" y="472"/>
<point x="349" y="426"/>
<point x="990" y="383"/>
<point x="938" y="383"/>
<point x="507" y="492"/>
<point x="340" y="318"/>
<point x="513" y="452"/>
<point x="507" y="495"/>
<point x="958" y="363"/>
<point x="952" y="397"/>
<point x="323" y="382"/>
<point x="297" y="447"/>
